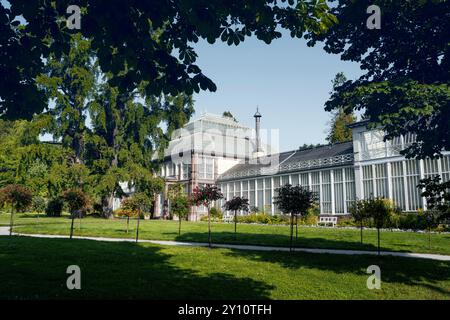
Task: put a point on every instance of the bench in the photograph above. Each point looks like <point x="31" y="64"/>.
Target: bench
<point x="327" y="221"/>
<point x="228" y="218"/>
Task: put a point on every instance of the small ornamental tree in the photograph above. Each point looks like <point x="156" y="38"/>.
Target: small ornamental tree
<point x="18" y="198"/>
<point x="379" y="210"/>
<point x="179" y="206"/>
<point x="359" y="214"/>
<point x="237" y="204"/>
<point x="39" y="204"/>
<point x="437" y="195"/>
<point x="138" y="203"/>
<point x="294" y="200"/>
<point x="205" y="195"/>
<point x="129" y="210"/>
<point x="76" y="200"/>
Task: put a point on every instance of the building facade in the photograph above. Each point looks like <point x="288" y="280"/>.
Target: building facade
<point x="218" y="150"/>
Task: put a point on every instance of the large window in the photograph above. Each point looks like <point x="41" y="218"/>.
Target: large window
<point x="398" y="187"/>
<point x="252" y="194"/>
<point x="186" y="171"/>
<point x="431" y="167"/>
<point x="205" y="168"/>
<point x="326" y="192"/>
<point x="260" y="193"/>
<point x="446" y="168"/>
<point x="276" y="185"/>
<point x="304" y="179"/>
<point x="412" y="180"/>
<point x="294" y="180"/>
<point x="381" y="181"/>
<point x="350" y="190"/>
<point x="338" y="191"/>
<point x="315" y="184"/>
<point x="268" y="195"/>
<point x="367" y="179"/>
<point x="245" y="189"/>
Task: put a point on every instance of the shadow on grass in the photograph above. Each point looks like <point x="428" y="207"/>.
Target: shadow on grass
<point x="275" y="240"/>
<point x="36" y="269"/>
<point x="408" y="271"/>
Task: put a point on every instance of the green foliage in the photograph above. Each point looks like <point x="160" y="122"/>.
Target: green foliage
<point x="179" y="206"/>
<point x="216" y="213"/>
<point x="137" y="203"/>
<point x="228" y="114"/>
<point x="54" y="207"/>
<point x="70" y="81"/>
<point x="339" y="130"/>
<point x="39" y="204"/>
<point x="157" y="37"/>
<point x="405" y="85"/>
<point x="437" y="194"/>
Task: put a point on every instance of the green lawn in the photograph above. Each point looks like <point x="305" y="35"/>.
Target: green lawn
<point x="224" y="233"/>
<point x="35" y="268"/>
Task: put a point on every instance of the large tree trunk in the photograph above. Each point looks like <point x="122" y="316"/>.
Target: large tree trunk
<point x="107" y="204"/>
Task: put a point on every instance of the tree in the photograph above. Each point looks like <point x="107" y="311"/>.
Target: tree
<point x="358" y="212"/>
<point x="139" y="42"/>
<point x="179" y="206"/>
<point x="205" y="195"/>
<point x="339" y="130"/>
<point x="405" y="87"/>
<point x="76" y="200"/>
<point x="70" y="82"/>
<point x="138" y="203"/>
<point x="129" y="209"/>
<point x="228" y="114"/>
<point x="18" y="198"/>
<point x="39" y="204"/>
<point x="379" y="210"/>
<point x="294" y="200"/>
<point x="126" y="134"/>
<point x="237" y="204"/>
<point x="437" y="195"/>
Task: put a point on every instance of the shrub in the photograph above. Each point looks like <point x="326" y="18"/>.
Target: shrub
<point x="54" y="207"/>
<point x="309" y="219"/>
<point x="76" y="201"/>
<point x="216" y="213"/>
<point x="39" y="204"/>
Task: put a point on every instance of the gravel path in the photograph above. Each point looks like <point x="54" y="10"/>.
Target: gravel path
<point x="5" y="231"/>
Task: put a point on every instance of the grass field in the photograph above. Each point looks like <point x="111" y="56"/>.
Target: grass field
<point x="35" y="268"/>
<point x="224" y="233"/>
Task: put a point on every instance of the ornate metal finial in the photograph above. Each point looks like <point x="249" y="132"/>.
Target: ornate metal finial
<point x="257" y="114"/>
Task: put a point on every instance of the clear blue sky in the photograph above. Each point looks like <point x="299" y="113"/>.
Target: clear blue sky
<point x="287" y="79"/>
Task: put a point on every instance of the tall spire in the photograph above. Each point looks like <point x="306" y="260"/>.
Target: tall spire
<point x="257" y="128"/>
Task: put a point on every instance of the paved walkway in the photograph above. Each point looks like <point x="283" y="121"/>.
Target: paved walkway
<point x="5" y="231"/>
